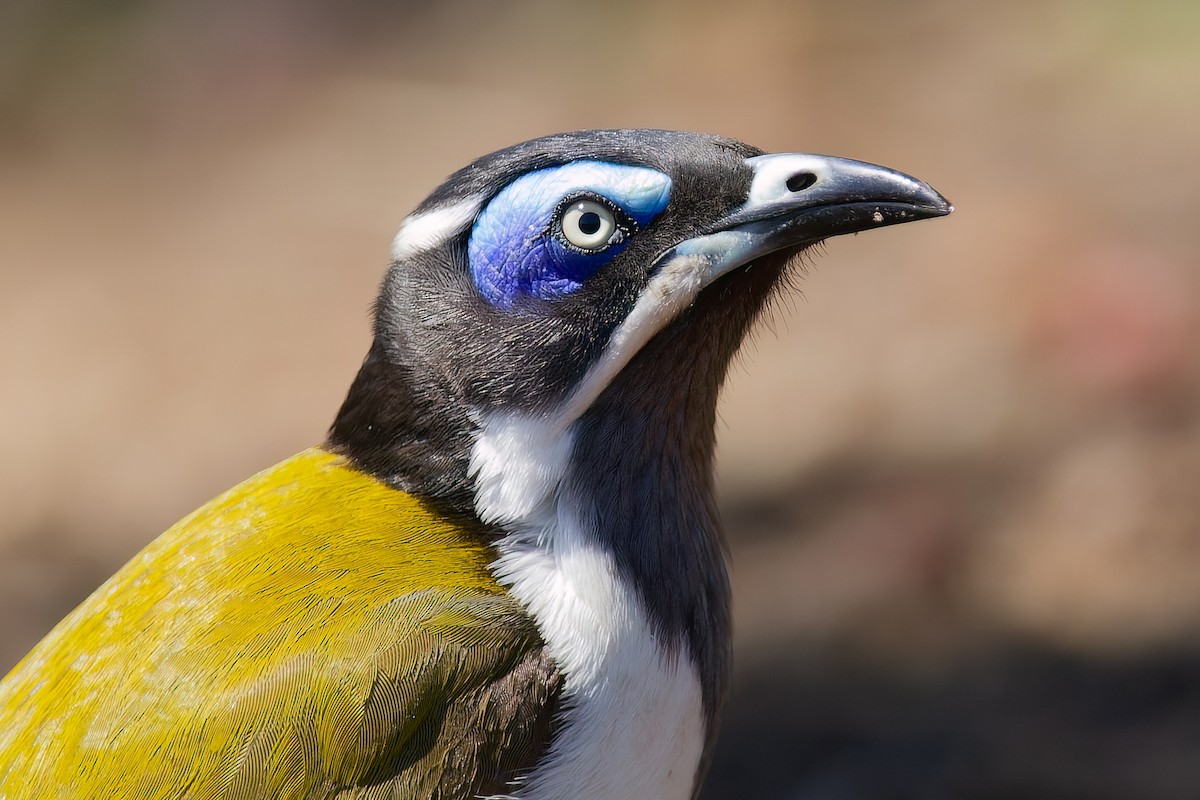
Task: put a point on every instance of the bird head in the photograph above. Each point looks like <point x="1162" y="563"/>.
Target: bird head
<point x="577" y="298"/>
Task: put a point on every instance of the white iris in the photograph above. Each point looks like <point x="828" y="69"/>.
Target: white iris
<point x="588" y="225"/>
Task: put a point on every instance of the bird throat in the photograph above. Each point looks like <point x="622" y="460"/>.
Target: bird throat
<point x="634" y="473"/>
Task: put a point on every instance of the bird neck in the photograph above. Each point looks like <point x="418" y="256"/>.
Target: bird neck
<point x="641" y="473"/>
<point x="642" y="479"/>
<point x="408" y="433"/>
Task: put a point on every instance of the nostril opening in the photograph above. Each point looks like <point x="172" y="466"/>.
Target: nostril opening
<point x="801" y="181"/>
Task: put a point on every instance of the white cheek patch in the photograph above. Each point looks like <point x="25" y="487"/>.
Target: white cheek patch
<point x="429" y="229"/>
<point x="672" y="289"/>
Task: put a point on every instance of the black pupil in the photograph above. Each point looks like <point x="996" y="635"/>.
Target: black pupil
<point x="589" y="222"/>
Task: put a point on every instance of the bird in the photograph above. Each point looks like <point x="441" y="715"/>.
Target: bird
<point x="502" y="574"/>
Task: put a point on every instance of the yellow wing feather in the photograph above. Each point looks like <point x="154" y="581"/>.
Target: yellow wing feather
<point x="310" y="633"/>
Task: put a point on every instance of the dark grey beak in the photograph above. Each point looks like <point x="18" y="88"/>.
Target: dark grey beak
<point x="797" y="199"/>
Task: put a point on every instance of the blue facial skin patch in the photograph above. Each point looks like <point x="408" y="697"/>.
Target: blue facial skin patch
<point x="517" y="247"/>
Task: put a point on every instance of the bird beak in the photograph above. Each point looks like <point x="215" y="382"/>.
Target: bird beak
<point x="797" y="199"/>
<point x="794" y="200"/>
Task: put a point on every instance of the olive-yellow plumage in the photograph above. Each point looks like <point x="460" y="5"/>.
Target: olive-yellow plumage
<point x="308" y="634"/>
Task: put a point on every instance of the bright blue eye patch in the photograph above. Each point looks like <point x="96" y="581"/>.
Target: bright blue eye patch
<point x="518" y="248"/>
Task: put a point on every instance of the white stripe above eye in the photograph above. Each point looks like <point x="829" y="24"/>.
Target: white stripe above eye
<point x="428" y="229"/>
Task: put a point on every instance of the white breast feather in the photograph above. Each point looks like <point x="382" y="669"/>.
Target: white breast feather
<point x="632" y="717"/>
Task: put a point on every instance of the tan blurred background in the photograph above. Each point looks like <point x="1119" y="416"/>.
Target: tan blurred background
<point x="960" y="473"/>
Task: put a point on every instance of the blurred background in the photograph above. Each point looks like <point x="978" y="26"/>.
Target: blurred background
<point x="959" y="471"/>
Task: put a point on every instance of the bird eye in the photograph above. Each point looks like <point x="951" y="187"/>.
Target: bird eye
<point x="588" y="225"/>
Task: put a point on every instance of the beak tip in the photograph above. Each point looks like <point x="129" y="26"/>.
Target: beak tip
<point x="938" y="205"/>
